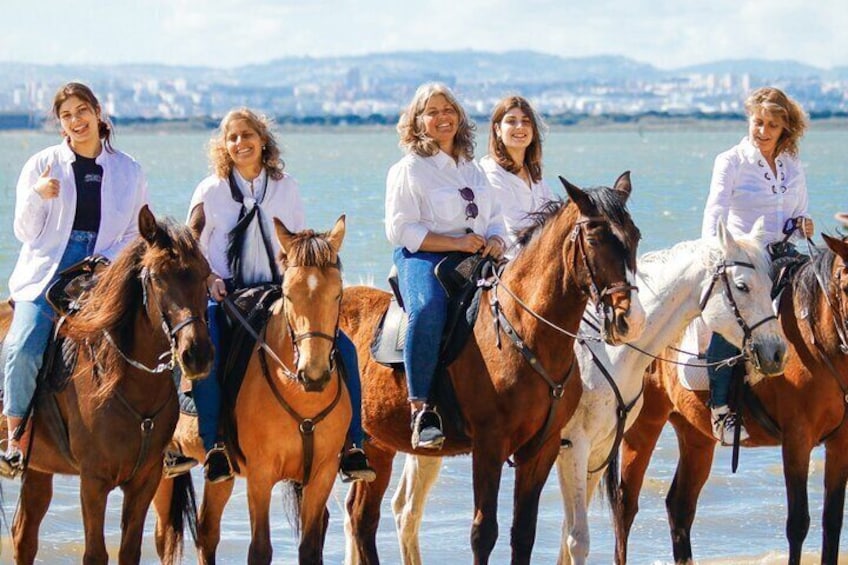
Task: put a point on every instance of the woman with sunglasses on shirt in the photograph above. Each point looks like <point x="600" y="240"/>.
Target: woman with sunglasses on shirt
<point x="514" y="164"/>
<point x="760" y="176"/>
<point x="438" y="200"/>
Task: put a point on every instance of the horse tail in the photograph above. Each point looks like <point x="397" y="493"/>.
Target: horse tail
<point x="292" y="499"/>
<point x="611" y="480"/>
<point x="183" y="511"/>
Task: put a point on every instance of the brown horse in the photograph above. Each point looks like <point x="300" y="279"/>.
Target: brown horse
<point x="291" y="423"/>
<point x="119" y="408"/>
<point x="804" y="407"/>
<point x="513" y="398"/>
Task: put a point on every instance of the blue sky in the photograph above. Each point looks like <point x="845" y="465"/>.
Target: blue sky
<point x="227" y="33"/>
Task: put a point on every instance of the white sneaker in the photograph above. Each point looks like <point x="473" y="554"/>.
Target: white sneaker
<point x="724" y="425"/>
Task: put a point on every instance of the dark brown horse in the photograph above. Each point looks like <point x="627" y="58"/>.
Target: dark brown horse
<point x="804" y="407"/>
<point x="119" y="408"/>
<point x="510" y="406"/>
<point x="292" y="411"/>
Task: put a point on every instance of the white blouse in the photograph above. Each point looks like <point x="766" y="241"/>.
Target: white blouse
<point x="281" y="200"/>
<point x="744" y="187"/>
<point x="516" y="199"/>
<point x="423" y="195"/>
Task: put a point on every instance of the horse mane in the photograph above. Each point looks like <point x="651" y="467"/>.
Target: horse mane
<point x="806" y="286"/>
<point x="309" y="248"/>
<point x="608" y="202"/>
<point x="118" y="296"/>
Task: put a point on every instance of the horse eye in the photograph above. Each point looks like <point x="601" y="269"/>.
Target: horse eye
<point x="743" y="287"/>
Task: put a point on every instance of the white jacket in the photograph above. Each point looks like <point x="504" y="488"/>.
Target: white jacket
<point x="44" y="226"/>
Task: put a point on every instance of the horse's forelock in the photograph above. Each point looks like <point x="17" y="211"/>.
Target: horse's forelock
<point x="612" y="204"/>
<point x="311" y="249"/>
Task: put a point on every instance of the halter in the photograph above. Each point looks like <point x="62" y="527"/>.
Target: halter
<point x="171" y="332"/>
<point x="578" y="235"/>
<point x="720" y="272"/>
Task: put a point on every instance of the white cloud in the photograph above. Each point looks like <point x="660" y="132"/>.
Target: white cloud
<point x="665" y="33"/>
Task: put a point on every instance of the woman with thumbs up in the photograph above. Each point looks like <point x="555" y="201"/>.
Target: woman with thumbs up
<point x="75" y="199"/>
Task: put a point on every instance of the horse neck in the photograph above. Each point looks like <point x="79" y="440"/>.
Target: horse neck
<point x="136" y="384"/>
<point x="539" y="277"/>
<point x="670" y="292"/>
<point x="821" y="331"/>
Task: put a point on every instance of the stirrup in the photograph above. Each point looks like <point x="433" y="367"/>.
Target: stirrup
<point x="427" y="429"/>
<point x="354" y="466"/>
<point x="175" y="463"/>
<point x="11" y="461"/>
<point x="218" y="467"/>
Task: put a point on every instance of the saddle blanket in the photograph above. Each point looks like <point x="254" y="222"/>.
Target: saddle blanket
<point x="693" y="345"/>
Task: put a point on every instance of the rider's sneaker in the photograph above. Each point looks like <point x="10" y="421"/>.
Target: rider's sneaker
<point x="217" y="467"/>
<point x="354" y="466"/>
<point x="427" y="430"/>
<point x="11" y="463"/>
<point x="175" y="464"/>
<point x="724" y="425"/>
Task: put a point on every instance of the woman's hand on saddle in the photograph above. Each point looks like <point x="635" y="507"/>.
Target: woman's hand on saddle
<point x="495" y="247"/>
<point x="46" y="186"/>
<point x="470" y="243"/>
<point x="217" y="288"/>
<point x="805" y="226"/>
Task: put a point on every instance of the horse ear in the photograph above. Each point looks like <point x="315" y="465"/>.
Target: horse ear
<point x="758" y="230"/>
<point x="284" y="236"/>
<point x="197" y="221"/>
<point x="578" y="196"/>
<point x="622" y="184"/>
<point x="147" y="226"/>
<point x="837" y="245"/>
<point x="337" y="234"/>
<point x="725" y="238"/>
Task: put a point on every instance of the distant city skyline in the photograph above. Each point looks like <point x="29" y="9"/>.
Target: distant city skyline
<point x="230" y="33"/>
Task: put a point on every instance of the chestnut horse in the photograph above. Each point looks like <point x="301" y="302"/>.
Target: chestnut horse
<point x="676" y="285"/>
<point x="515" y="396"/>
<point x="119" y="408"/>
<point x="803" y="408"/>
<point x="291" y="414"/>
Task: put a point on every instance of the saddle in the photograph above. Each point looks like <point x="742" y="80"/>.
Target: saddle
<point x="458" y="274"/>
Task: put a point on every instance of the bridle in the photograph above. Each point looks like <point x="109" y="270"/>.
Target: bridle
<point x="597" y="295"/>
<point x="720" y="272"/>
<point x="170" y="331"/>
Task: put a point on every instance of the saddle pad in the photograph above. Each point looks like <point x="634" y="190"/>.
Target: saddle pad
<point x="694" y="342"/>
<point x="390" y="336"/>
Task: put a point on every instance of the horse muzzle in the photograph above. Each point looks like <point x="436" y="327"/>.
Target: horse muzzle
<point x="314" y="381"/>
<point x="769" y="355"/>
<point x="625" y="321"/>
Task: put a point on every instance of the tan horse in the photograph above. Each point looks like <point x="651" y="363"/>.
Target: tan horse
<point x="119" y="408"/>
<point x="291" y="422"/>
<point x="806" y="406"/>
<point x="511" y="405"/>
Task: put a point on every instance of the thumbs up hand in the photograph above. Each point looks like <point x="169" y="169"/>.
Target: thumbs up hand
<point x="46" y="186"/>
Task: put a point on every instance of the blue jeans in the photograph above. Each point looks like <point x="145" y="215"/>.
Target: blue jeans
<point x="426" y="304"/>
<point x="719" y="350"/>
<point x="207" y="392"/>
<point x="32" y="324"/>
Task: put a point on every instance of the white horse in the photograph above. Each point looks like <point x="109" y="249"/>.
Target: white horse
<point x="675" y="286"/>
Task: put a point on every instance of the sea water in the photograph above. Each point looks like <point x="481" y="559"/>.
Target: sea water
<point x="741" y="517"/>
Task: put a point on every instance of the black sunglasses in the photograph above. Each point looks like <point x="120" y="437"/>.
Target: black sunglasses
<point x="471" y="210"/>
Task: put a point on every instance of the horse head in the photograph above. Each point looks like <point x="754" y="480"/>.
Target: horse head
<point x="312" y="293"/>
<point x="832" y="335"/>
<point x="744" y="314"/>
<point x="605" y="241"/>
<point x="173" y="272"/>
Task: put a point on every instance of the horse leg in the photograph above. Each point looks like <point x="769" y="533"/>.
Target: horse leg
<point x="94" y="493"/>
<point x="363" y="508"/>
<point x="259" y="485"/>
<point x="313" y="511"/>
<point x="35" y="496"/>
<point x="137" y="497"/>
<point x="796" y="466"/>
<point x="166" y="544"/>
<point x="487" y="467"/>
<point x="572" y="466"/>
<point x="530" y="477"/>
<point x="215" y="497"/>
<point x="835" y="478"/>
<point x="693" y="470"/>
<point x="419" y="474"/>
